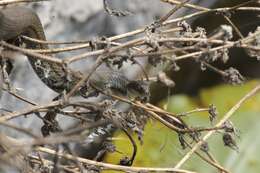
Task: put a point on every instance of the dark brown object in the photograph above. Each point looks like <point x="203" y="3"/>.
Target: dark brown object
<point x="16" y="21"/>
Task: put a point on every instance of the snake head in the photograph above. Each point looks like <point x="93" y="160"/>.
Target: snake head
<point x="139" y="90"/>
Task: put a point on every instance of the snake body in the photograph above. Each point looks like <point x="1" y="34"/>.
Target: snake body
<point x="16" y="21"/>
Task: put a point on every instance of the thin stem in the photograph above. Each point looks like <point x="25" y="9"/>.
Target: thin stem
<point x="219" y="124"/>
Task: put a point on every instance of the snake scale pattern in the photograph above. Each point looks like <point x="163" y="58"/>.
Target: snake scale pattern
<point x="17" y="21"/>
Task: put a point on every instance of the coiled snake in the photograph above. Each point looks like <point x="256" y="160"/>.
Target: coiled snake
<point x="17" y="21"/>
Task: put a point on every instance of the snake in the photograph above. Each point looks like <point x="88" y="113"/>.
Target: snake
<point x="21" y="21"/>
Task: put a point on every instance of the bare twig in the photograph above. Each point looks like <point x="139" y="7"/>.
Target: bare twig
<point x="220" y="123"/>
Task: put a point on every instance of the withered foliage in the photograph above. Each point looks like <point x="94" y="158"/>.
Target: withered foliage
<point x="120" y="102"/>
